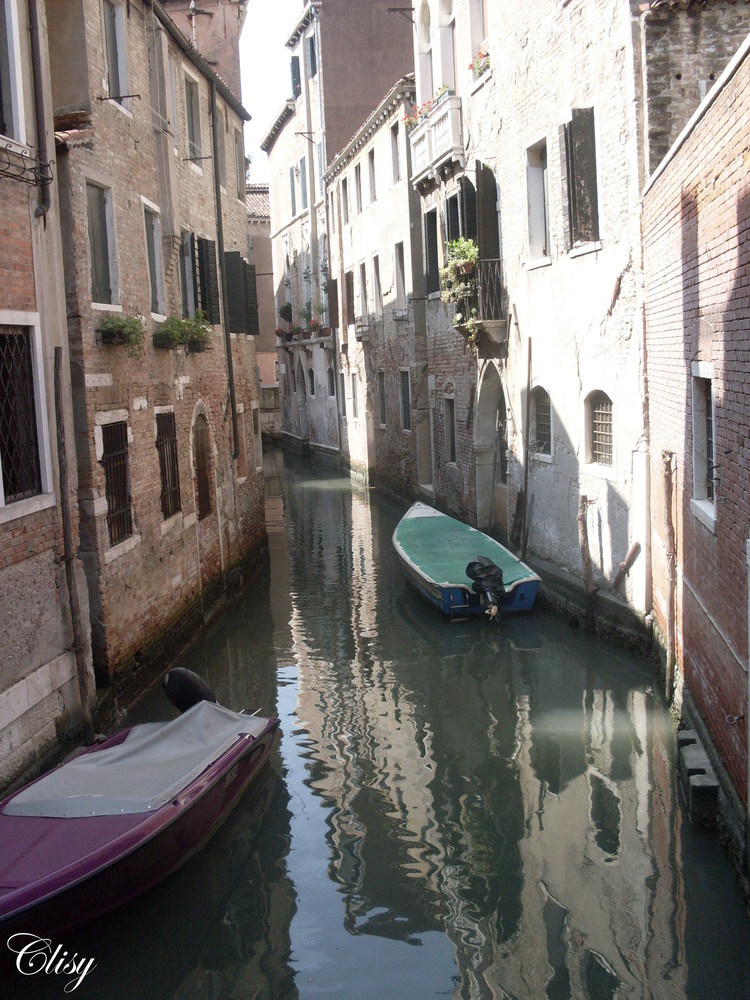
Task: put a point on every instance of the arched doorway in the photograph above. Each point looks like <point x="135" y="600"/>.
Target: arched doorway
<point x="490" y="450"/>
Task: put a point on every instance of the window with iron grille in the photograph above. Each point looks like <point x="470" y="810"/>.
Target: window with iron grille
<point x="600" y="408"/>
<point x="541" y="432"/>
<point x="19" y="444"/>
<point x="704" y="468"/>
<point x="166" y="446"/>
<point x="116" y="464"/>
<point x="202" y="449"/>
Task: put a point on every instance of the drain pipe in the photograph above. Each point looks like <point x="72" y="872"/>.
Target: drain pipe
<point x="224" y="290"/>
<point x="40" y="211"/>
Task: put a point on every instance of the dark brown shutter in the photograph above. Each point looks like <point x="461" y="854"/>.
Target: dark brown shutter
<point x="296" y="78"/>
<point x="251" y="299"/>
<point x="468" y="209"/>
<point x="235" y="291"/>
<point x="432" y="275"/>
<point x="580" y="158"/>
<point x="488" y="235"/>
<point x="208" y="280"/>
<point x="333" y="303"/>
<point x="453" y="230"/>
<point x="349" y="290"/>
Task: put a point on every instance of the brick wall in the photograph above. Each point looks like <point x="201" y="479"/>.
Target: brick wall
<point x="696" y="223"/>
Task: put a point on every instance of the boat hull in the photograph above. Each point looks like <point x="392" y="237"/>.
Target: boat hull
<point x="444" y="582"/>
<point x="124" y="856"/>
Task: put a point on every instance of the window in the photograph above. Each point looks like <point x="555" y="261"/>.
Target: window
<point x="202" y="456"/>
<point x="321" y="168"/>
<point x="193" y="117"/>
<point x="541" y="428"/>
<point x="371" y="170"/>
<point x="358" y="188"/>
<point x="579" y="146"/>
<point x="349" y="290"/>
<point x="208" y="280"/>
<point x="342" y="393"/>
<point x="355" y="400"/>
<point x="345" y="200"/>
<point x="477" y="23"/>
<point x="405" y="399"/>
<point x="704" y="461"/>
<point x="187" y="274"/>
<point x="395" y="154"/>
<point x="333" y="303"/>
<point x="221" y="152"/>
<point x="293" y="378"/>
<point x="303" y="183"/>
<point x="312" y="62"/>
<point x="332" y="213"/>
<point x="600" y="428"/>
<point x="12" y="122"/>
<point x="239" y="163"/>
<point x="173" y="98"/>
<point x="331" y="382"/>
<point x="377" y="291"/>
<point x="114" y="42"/>
<point x="449" y="419"/>
<point x="311" y="381"/>
<point x="153" y="254"/>
<point x="24" y="455"/>
<point x="381" y="397"/>
<point x="296" y="78"/>
<point x="363" y="291"/>
<point x="537" y="200"/>
<point x="101" y="244"/>
<point x="166" y="447"/>
<point x="400" y="277"/>
<point x="292" y="192"/>
<point x="117" y="481"/>
<point x="432" y="274"/>
<point x="158" y="82"/>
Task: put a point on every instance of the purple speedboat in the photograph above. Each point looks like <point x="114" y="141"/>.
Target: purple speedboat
<point x="110" y="823"/>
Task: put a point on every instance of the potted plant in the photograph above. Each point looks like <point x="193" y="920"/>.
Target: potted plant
<point x="295" y="331"/>
<point x="468" y="326"/>
<point x="118" y="329"/>
<point x="305" y="313"/>
<point x="457" y="278"/>
<point x="193" y="333"/>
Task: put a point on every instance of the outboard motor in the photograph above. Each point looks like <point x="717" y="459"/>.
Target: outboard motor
<point x="185" y="688"/>
<point x="488" y="582"/>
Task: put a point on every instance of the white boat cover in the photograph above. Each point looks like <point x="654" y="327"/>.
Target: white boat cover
<point x="149" y="768"/>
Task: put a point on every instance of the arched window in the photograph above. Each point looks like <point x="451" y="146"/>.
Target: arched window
<point x="300" y="378"/>
<point x="331" y="382"/>
<point x="599" y="428"/>
<point x="425" y="86"/>
<point x="311" y="381"/>
<point x="540" y="432"/>
<point x="293" y="378"/>
<point x="202" y="457"/>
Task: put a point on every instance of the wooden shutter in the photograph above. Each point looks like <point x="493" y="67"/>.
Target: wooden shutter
<point x="432" y="276"/>
<point x="468" y="209"/>
<point x="208" y="280"/>
<point x="251" y="299"/>
<point x="488" y="235"/>
<point x="296" y="79"/>
<point x="580" y="160"/>
<point x="453" y="229"/>
<point x="333" y="303"/>
<point x="235" y="291"/>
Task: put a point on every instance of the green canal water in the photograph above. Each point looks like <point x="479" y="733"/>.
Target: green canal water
<point x="469" y="810"/>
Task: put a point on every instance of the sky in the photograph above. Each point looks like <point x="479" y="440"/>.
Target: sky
<point x="264" y="63"/>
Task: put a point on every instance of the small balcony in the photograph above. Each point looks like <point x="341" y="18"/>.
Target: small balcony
<point x="437" y="139"/>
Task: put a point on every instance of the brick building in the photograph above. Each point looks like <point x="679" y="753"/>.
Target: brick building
<point x="344" y="57"/>
<point x="45" y="647"/>
<point x="259" y="242"/>
<point x="696" y="252"/>
<point x="152" y="181"/>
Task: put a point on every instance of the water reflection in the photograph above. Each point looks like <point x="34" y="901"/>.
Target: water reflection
<point x="455" y="810"/>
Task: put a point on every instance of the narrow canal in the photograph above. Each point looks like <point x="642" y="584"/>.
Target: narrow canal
<point x="468" y="810"/>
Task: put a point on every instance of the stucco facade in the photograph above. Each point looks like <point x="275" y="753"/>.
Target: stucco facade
<point x="39" y="677"/>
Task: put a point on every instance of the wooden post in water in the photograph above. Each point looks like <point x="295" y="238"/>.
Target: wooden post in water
<point x="79" y="644"/>
<point x="671" y="555"/>
<point x="589" y="622"/>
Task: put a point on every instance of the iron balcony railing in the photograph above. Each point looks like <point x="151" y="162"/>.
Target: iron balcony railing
<point x="490" y="290"/>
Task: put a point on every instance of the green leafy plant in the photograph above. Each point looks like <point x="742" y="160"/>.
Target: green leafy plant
<point x="457" y="279"/>
<point x="305" y="313"/>
<point x="320" y="309"/>
<point x="124" y="330"/>
<point x="285" y="312"/>
<point x="192" y="332"/>
<point x="468" y="326"/>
